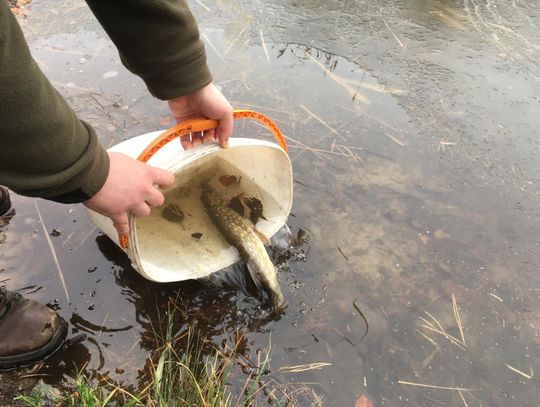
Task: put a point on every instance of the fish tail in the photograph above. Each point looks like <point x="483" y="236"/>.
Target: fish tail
<point x="270" y="288"/>
<point x="277" y="300"/>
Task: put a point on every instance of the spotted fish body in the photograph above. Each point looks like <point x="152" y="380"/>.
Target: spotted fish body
<point x="240" y="233"/>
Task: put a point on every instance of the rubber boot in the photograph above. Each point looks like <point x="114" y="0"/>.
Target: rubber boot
<point x="5" y="202"/>
<point x="29" y="331"/>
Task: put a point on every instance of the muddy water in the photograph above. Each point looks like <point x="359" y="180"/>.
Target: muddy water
<point x="413" y="130"/>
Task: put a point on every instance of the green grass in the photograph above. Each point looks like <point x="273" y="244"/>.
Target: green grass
<point x="184" y="373"/>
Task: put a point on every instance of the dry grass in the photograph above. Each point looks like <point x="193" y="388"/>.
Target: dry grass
<point x="432" y="386"/>
<point x="53" y="253"/>
<point x="433" y="325"/>
<point x="525" y="375"/>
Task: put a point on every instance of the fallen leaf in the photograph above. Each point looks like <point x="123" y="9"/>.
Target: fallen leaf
<point x="173" y="213"/>
<point x="256" y="209"/>
<point x="236" y="205"/>
<point x="363" y="401"/>
<point x="228" y="180"/>
<point x="441" y="234"/>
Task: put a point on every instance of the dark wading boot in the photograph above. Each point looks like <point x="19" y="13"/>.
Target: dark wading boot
<point x="29" y="331"/>
<point x="5" y="201"/>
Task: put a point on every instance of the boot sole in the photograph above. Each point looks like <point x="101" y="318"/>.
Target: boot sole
<point x="29" y="358"/>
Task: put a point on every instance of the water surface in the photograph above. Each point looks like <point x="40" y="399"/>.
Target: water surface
<point x="413" y="133"/>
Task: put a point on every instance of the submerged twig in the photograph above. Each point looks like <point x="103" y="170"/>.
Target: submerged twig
<point x="394" y="35"/>
<point x="203" y="5"/>
<point x="53" y="252"/>
<point x="264" y="46"/>
<point x="431" y="386"/>
<point x="303" y="368"/>
<point x="363" y="317"/>
<point x="446" y="335"/>
<point x="205" y="37"/>
<point x="458" y="318"/>
<point x="316" y="117"/>
<point x="428" y="339"/>
<point x="496" y="297"/>
<point x="85" y="238"/>
<point x="442" y="145"/>
<point x="343" y="254"/>
<point x="463" y="398"/>
<point x="528" y="376"/>
<point x="237" y="37"/>
<point x="440" y="330"/>
<point x="395" y="140"/>
<point x="350" y="153"/>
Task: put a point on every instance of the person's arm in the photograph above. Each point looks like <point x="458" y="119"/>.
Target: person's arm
<point x="45" y="150"/>
<point x="159" y="41"/>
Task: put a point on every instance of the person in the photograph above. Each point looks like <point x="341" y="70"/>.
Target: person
<point x="47" y="152"/>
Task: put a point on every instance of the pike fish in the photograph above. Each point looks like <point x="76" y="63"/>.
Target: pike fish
<point x="241" y="233"/>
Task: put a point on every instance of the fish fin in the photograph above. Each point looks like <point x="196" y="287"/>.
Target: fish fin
<point x="253" y="274"/>
<point x="262" y="236"/>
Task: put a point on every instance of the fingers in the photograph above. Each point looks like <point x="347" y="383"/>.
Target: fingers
<point x="208" y="102"/>
<point x="194" y="139"/>
<point x="163" y="178"/>
<point x="141" y="210"/>
<point x="155" y="199"/>
<point x="186" y="142"/>
<point x="121" y="220"/>
<point x="208" y="136"/>
<point x="225" y="129"/>
<point x="121" y="223"/>
<point x="130" y="187"/>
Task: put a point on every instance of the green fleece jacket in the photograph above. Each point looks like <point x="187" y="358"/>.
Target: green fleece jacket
<point x="45" y="150"/>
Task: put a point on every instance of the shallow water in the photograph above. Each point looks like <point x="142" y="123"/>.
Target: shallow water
<point x="413" y="133"/>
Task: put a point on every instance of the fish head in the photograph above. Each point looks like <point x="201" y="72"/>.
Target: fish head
<point x="209" y="197"/>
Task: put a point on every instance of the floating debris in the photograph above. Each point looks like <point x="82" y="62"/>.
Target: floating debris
<point x="173" y="213"/>
<point x="196" y="235"/>
<point x="363" y="317"/>
<point x="228" y="180"/>
<point x="514" y="369"/>
<point x="236" y="205"/>
<point x="110" y="74"/>
<point x="431" y="386"/>
<point x="256" y="209"/>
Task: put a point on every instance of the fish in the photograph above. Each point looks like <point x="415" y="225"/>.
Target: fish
<point x="242" y="234"/>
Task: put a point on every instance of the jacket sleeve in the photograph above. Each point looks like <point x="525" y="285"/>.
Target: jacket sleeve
<point x="159" y="41"/>
<point x="45" y="150"/>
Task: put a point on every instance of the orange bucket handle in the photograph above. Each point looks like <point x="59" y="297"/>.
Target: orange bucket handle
<point x="201" y="124"/>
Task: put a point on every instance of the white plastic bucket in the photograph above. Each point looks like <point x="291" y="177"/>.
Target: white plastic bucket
<point x="178" y="241"/>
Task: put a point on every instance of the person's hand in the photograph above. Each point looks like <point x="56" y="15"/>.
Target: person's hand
<point x="131" y="186"/>
<point x="208" y="102"/>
